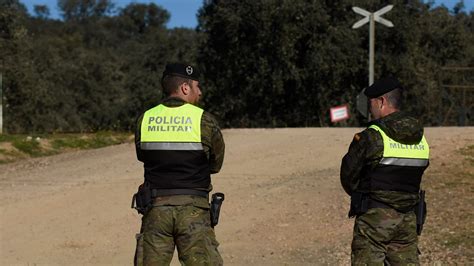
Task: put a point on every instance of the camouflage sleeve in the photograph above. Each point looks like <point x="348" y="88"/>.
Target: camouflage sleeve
<point x="365" y="150"/>
<point x="213" y="142"/>
<point x="137" y="138"/>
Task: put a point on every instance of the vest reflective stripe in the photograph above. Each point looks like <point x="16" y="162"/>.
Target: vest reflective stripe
<point x="404" y="162"/>
<point x="171" y="146"/>
<point x="394" y="149"/>
<point x="172" y="124"/>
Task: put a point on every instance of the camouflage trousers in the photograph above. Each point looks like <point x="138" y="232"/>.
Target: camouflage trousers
<point x="185" y="226"/>
<point x="385" y="237"/>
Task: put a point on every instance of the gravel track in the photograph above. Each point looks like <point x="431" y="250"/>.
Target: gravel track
<point x="284" y="203"/>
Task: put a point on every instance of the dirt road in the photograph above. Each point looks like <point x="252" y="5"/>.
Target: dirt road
<point x="284" y="203"/>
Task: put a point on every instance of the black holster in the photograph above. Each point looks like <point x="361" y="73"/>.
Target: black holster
<point x="359" y="204"/>
<point x="216" y="203"/>
<point x="142" y="200"/>
<point x="420" y="211"/>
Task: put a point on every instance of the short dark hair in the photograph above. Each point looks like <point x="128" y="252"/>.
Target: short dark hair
<point x="395" y="97"/>
<point x="171" y="83"/>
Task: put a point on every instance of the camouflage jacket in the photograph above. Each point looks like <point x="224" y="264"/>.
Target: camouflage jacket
<point x="366" y="150"/>
<point x="213" y="144"/>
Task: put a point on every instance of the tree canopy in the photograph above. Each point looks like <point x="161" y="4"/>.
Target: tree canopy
<point x="285" y="63"/>
<point x="272" y="63"/>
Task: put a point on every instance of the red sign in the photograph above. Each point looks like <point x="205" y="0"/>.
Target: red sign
<point x="339" y="113"/>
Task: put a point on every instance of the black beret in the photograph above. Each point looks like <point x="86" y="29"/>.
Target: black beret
<point x="181" y="70"/>
<point x="382" y="86"/>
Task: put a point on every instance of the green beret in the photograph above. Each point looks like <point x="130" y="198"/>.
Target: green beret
<point x="181" y="70"/>
<point x="382" y="86"/>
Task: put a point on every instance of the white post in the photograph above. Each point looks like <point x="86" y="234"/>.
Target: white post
<point x="371" y="51"/>
<point x="372" y="17"/>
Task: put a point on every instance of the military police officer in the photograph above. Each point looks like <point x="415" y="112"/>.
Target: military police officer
<point x="180" y="146"/>
<point x="382" y="173"/>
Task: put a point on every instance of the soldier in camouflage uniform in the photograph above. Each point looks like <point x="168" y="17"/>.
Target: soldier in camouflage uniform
<point x="385" y="232"/>
<point x="180" y="178"/>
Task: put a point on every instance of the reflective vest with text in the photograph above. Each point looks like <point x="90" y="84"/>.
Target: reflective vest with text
<point x="401" y="166"/>
<point x="170" y="139"/>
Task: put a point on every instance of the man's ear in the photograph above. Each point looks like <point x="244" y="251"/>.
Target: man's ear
<point x="383" y="101"/>
<point x="184" y="88"/>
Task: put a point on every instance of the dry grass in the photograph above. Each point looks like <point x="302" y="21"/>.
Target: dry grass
<point x="19" y="147"/>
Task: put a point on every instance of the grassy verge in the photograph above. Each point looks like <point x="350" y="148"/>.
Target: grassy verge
<point x="15" y="147"/>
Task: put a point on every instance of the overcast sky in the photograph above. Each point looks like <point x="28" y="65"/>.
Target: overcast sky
<point x="183" y="12"/>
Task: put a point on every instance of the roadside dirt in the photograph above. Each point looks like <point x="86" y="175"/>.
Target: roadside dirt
<point x="284" y="203"/>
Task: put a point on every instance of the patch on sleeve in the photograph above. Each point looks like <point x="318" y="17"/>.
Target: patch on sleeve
<point x="356" y="137"/>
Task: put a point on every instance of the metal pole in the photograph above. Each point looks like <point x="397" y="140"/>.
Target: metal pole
<point x="371" y="52"/>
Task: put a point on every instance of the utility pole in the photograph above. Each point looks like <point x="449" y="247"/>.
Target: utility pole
<point x="371" y="18"/>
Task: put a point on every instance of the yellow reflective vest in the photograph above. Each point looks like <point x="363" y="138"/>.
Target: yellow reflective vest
<point x="170" y="140"/>
<point x="402" y="165"/>
<point x="171" y="125"/>
<point x="396" y="153"/>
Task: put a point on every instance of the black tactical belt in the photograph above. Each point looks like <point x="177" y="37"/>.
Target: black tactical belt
<point x="377" y="204"/>
<point x="170" y="192"/>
